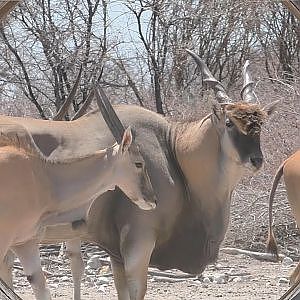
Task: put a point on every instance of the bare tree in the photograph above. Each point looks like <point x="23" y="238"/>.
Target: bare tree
<point x="280" y="40"/>
<point x="48" y="41"/>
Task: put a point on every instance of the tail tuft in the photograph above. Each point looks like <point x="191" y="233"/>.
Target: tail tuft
<point x="272" y="245"/>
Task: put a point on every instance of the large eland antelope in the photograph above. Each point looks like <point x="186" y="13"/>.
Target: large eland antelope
<point x="290" y="169"/>
<point x="194" y="168"/>
<point x="36" y="190"/>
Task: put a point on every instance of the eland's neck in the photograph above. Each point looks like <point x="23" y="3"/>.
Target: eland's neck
<point x="77" y="182"/>
<point x="210" y="174"/>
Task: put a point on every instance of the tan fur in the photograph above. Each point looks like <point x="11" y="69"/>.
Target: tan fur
<point x="290" y="169"/>
<point x="18" y="137"/>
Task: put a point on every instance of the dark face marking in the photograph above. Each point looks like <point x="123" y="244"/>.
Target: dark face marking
<point x="247" y="146"/>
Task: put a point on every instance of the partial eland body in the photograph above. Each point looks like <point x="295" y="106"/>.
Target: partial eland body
<point x="290" y="169"/>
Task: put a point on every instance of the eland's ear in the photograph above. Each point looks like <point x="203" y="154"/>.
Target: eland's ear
<point x="126" y="140"/>
<point x="270" y="108"/>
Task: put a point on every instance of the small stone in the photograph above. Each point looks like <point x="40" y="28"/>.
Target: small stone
<point x="94" y="262"/>
<point x="104" y="270"/>
<point x="283" y="281"/>
<point x="102" y="288"/>
<point x="220" y="278"/>
<point x="231" y="271"/>
<point x="89" y="271"/>
<point x="287" y="261"/>
<point x="206" y="280"/>
<point x="237" y="279"/>
<point x="53" y="286"/>
<point x="65" y="278"/>
<point x="103" y="280"/>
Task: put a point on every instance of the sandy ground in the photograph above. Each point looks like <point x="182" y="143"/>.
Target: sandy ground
<point x="246" y="278"/>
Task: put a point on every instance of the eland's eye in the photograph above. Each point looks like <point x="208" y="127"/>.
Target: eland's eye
<point x="229" y="123"/>
<point x="139" y="165"/>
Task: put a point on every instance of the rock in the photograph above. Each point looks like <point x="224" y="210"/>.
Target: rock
<point x="220" y="278"/>
<point x="287" y="261"/>
<point x="64" y="278"/>
<point x="218" y="266"/>
<point x="231" y="271"/>
<point x="237" y="279"/>
<point x="103" y="280"/>
<point x="104" y="270"/>
<point x="89" y="270"/>
<point x="102" y="288"/>
<point x="283" y="281"/>
<point x="206" y="280"/>
<point x="94" y="262"/>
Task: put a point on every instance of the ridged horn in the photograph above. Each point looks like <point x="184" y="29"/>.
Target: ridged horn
<point x="247" y="92"/>
<point x="82" y="110"/>
<point x="210" y="80"/>
<point x="64" y="108"/>
<point x="109" y="115"/>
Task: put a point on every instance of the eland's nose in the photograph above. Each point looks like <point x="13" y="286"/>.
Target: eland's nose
<point x="256" y="162"/>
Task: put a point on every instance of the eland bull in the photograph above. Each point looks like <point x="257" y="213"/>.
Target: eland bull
<point x="36" y="190"/>
<point x="194" y="168"/>
<point x="290" y="169"/>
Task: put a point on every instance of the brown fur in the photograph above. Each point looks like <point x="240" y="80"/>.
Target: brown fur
<point x="247" y="117"/>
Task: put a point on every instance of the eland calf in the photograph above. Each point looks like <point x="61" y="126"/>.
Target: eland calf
<point x="35" y="191"/>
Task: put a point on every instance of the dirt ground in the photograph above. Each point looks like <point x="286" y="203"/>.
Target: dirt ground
<point x="246" y="278"/>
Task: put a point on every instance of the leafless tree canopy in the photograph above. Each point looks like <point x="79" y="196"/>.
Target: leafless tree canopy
<point x="137" y="48"/>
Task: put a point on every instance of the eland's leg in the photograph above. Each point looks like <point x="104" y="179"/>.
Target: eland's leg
<point x="136" y="257"/>
<point x="77" y="265"/>
<point x="295" y="275"/>
<point x="29" y="256"/>
<point x="5" y="272"/>
<point x="120" y="279"/>
<point x="6" y="268"/>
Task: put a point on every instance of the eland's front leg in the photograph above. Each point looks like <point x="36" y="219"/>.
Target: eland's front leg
<point x="136" y="257"/>
<point x="29" y="256"/>
<point x="77" y="265"/>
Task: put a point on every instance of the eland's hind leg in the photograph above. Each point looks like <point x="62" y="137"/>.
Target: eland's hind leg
<point x="292" y="179"/>
<point x="29" y="256"/>
<point x="77" y="265"/>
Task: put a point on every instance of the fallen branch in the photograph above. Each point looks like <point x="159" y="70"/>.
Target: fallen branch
<point x="252" y="254"/>
<point x="167" y="279"/>
<point x="170" y="275"/>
